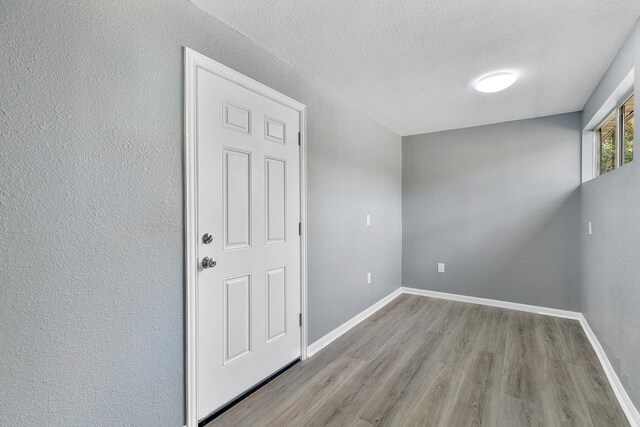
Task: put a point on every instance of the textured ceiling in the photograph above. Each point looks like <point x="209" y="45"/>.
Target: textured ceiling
<point x="411" y="64"/>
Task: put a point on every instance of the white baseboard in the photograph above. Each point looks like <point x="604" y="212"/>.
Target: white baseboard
<point x="623" y="398"/>
<point x="495" y="303"/>
<point x="342" y="329"/>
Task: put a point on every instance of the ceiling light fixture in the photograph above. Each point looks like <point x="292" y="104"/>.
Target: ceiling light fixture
<point x="495" y="82"/>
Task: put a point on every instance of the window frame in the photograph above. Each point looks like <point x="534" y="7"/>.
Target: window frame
<point x="621" y="124"/>
<point x="619" y="134"/>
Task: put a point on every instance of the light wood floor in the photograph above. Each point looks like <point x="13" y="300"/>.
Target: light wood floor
<point x="428" y="362"/>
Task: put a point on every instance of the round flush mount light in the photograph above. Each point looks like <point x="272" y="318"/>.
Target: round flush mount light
<point x="495" y="82"/>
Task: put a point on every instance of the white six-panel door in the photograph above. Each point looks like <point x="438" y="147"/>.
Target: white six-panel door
<point x="248" y="191"/>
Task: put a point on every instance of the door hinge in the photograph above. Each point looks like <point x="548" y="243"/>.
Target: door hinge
<point x="300" y="319"/>
<point x="299" y="229"/>
<point x="299" y="139"/>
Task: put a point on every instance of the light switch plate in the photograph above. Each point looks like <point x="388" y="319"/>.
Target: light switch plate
<point x="440" y="267"/>
<point x="368" y="219"/>
<point x="368" y="278"/>
<point x="590" y="229"/>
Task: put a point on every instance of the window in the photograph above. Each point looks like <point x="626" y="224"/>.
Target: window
<point x="614" y="138"/>
<point x="607" y="140"/>
<point x="627" y="120"/>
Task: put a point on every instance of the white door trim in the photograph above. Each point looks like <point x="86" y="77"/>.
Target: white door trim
<point x="192" y="61"/>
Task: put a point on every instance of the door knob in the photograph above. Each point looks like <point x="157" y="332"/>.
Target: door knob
<point x="208" y="262"/>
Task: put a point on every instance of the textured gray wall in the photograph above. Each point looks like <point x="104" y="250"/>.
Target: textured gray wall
<point x="91" y="205"/>
<point x="610" y="258"/>
<point x="499" y="205"/>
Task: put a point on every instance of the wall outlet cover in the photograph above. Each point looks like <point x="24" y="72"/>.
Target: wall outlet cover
<point x="440" y="267"/>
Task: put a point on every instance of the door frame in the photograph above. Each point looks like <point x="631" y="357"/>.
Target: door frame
<point x="192" y="61"/>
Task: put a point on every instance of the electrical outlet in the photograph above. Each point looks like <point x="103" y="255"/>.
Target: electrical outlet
<point x="368" y="278"/>
<point x="368" y="219"/>
<point x="440" y="267"/>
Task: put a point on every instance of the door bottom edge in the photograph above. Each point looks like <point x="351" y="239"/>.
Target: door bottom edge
<point x="224" y="408"/>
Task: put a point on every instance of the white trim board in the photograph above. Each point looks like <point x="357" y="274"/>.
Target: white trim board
<point x="495" y="303"/>
<point x="623" y="398"/>
<point x="349" y="324"/>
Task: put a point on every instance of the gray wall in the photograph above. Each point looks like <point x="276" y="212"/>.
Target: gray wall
<point x="499" y="205"/>
<point x="610" y="258"/>
<point x="91" y="205"/>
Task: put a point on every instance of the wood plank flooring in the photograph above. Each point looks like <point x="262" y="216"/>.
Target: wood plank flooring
<point x="428" y="362"/>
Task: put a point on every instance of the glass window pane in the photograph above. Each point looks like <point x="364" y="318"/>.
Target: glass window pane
<point x="607" y="135"/>
<point x="628" y="130"/>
